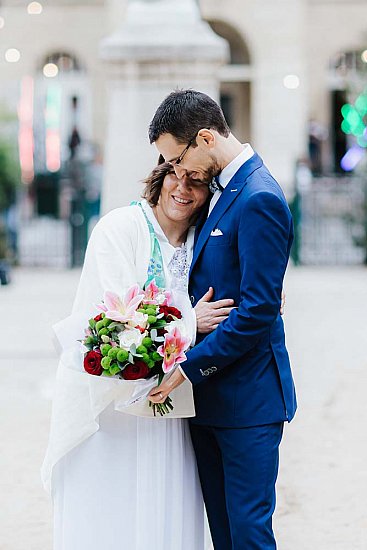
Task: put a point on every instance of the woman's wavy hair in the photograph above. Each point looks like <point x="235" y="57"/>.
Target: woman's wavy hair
<point x="153" y="183"/>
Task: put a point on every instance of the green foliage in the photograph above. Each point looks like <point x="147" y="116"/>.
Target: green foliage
<point x="9" y="176"/>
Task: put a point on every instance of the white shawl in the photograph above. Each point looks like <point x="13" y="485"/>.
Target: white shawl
<point x="117" y="257"/>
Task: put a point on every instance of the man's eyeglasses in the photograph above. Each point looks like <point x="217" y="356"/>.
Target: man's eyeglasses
<point x="179" y="159"/>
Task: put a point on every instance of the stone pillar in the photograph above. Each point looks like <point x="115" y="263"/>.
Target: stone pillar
<point x="279" y="115"/>
<point x="161" y="45"/>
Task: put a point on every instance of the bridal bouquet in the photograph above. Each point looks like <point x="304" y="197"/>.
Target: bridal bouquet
<point x="139" y="336"/>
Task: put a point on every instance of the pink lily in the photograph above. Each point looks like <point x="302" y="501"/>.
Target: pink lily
<point x="173" y="349"/>
<point x="167" y="299"/>
<point x="123" y="310"/>
<point x="151" y="293"/>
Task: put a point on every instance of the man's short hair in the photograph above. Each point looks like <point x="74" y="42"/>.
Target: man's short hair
<point x="183" y="113"/>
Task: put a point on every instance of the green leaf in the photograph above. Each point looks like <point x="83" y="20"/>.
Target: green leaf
<point x="160" y="324"/>
<point x="114" y="325"/>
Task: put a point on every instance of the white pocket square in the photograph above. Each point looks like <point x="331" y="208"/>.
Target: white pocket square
<point x="216" y="233"/>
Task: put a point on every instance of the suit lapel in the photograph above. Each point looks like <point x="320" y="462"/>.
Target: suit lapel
<point x="229" y="194"/>
<point x="200" y="222"/>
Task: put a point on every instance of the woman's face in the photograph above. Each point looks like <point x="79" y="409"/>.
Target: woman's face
<point x="181" y="199"/>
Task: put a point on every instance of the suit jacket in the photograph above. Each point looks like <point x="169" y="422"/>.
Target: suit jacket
<point x="241" y="371"/>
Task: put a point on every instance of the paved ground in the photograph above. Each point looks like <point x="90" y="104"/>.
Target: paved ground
<point x="322" y="488"/>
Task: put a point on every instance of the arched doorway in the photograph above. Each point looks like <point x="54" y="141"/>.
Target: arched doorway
<point x="235" y="81"/>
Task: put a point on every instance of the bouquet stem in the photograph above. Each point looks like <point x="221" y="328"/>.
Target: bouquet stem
<point x="162" y="408"/>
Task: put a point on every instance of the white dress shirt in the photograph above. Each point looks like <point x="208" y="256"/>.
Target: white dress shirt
<point x="229" y="171"/>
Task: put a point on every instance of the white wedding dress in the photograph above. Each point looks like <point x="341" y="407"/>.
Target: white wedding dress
<point x="122" y="481"/>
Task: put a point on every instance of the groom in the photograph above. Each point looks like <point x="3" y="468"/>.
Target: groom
<point x="242" y="380"/>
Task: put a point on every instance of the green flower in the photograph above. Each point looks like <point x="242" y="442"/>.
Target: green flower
<point x="106" y="362"/>
<point x="114" y="370"/>
<point x="113" y="353"/>
<point x="147" y="342"/>
<point x="105" y="348"/>
<point x="122" y="355"/>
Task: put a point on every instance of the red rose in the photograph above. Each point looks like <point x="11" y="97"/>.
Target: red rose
<point x="98" y="317"/>
<point x="92" y="362"/>
<point x="168" y="311"/>
<point x="135" y="371"/>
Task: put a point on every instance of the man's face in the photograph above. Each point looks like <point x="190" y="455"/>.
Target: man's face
<point x="198" y="162"/>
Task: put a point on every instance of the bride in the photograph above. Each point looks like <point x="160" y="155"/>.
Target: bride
<point x="121" y="479"/>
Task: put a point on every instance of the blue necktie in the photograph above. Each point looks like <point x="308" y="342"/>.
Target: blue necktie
<point x="214" y="185"/>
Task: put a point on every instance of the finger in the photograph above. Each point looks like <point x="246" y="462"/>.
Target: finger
<point x="208" y="295"/>
<point x="157" y="400"/>
<point x="158" y="396"/>
<point x="158" y="390"/>
<point x="221" y="311"/>
<point x="218" y="320"/>
<point x="222" y="303"/>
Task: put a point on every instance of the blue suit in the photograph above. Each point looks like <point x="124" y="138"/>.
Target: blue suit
<point x="243" y="385"/>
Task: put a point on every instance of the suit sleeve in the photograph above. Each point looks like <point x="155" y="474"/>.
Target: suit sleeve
<point x="263" y="248"/>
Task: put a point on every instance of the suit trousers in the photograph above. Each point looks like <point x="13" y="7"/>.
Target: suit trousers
<point x="238" y="468"/>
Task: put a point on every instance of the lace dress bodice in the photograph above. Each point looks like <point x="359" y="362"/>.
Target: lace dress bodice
<point x="179" y="268"/>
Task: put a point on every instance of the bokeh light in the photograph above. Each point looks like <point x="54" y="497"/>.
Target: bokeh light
<point x="353" y="121"/>
<point x="50" y="70"/>
<point x="351" y="158"/>
<point x="291" y="81"/>
<point x="2" y="22"/>
<point x="364" y="56"/>
<point x="12" y="55"/>
<point x="34" y="8"/>
<point x="361" y="104"/>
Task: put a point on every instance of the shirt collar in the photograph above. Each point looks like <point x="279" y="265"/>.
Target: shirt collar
<point x="229" y="171"/>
